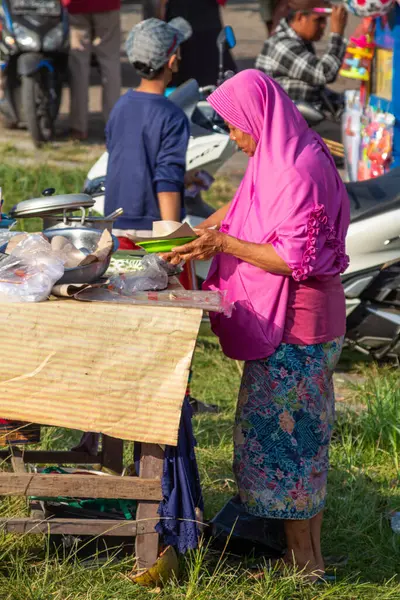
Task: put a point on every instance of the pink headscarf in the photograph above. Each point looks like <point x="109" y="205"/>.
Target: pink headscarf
<point x="292" y="197"/>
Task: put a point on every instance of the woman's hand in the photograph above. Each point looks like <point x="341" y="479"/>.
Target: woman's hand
<point x="209" y="243"/>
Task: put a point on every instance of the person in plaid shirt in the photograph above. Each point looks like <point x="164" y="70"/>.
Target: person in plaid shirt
<point x="289" y="56"/>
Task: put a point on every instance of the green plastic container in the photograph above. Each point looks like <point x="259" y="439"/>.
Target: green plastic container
<point x="159" y="246"/>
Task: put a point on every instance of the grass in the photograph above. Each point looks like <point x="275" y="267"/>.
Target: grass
<point x="19" y="183"/>
<point x="221" y="193"/>
<point x="363" y="490"/>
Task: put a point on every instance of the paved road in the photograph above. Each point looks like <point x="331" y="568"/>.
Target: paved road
<point x="242" y="15"/>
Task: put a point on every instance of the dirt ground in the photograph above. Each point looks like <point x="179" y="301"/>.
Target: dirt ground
<point x="242" y="15"/>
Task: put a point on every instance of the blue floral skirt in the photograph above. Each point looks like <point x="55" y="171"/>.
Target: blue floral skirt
<point x="283" y="427"/>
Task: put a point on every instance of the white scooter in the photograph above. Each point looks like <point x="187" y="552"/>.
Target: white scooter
<point x="372" y="281"/>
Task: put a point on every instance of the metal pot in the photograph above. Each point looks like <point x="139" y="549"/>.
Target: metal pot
<point x="60" y="222"/>
<point x="67" y="220"/>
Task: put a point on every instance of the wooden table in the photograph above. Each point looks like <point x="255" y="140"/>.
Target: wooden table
<point x="146" y="489"/>
<point x="116" y="369"/>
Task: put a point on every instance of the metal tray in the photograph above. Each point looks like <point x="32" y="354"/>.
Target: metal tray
<point x="47" y="205"/>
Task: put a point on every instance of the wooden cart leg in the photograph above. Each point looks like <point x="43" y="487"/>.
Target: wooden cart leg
<point x="112" y="450"/>
<point x="17" y="461"/>
<point x="151" y="464"/>
<point x="18" y="466"/>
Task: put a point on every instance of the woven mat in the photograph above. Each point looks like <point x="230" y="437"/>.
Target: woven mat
<point x="115" y="369"/>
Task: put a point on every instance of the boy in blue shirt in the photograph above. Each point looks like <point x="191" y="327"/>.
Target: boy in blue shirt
<point x="147" y="135"/>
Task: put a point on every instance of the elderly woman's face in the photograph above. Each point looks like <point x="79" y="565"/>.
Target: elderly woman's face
<point x="243" y="140"/>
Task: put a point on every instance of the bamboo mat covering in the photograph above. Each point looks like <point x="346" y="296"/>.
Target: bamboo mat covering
<point x="116" y="369"/>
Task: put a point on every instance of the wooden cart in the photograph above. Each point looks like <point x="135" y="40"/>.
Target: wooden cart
<point x="146" y="489"/>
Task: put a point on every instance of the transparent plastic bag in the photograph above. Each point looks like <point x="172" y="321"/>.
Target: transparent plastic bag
<point x="6" y="235"/>
<point x="30" y="271"/>
<point x="177" y="298"/>
<point x="152" y="275"/>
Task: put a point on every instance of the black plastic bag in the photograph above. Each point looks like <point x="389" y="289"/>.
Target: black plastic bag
<point x="245" y="534"/>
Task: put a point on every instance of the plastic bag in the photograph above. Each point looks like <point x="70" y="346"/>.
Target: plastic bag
<point x="178" y="298"/>
<point x="152" y="275"/>
<point x="30" y="271"/>
<point x="244" y="533"/>
<point x="376" y="143"/>
<point x="6" y="235"/>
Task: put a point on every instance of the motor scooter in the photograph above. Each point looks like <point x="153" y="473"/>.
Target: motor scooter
<point x="34" y="51"/>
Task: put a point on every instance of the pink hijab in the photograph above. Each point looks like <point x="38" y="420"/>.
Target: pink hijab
<point x="292" y="197"/>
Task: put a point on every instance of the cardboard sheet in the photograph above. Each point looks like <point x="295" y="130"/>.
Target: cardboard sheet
<point x="166" y="230"/>
<point x="115" y="369"/>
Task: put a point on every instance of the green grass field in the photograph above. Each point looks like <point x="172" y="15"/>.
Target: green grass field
<point x="363" y="486"/>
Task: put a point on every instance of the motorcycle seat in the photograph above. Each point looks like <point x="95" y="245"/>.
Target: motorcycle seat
<point x="374" y="196"/>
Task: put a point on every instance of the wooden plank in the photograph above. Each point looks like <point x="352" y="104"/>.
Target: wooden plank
<point x="335" y="148"/>
<point x="17" y="461"/>
<point x="73" y="526"/>
<point x="79" y="486"/>
<point x="112" y="450"/>
<point x="18" y="466"/>
<point x="53" y="457"/>
<point x="151" y="465"/>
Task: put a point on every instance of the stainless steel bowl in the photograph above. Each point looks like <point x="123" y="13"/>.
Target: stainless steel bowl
<point x="87" y="239"/>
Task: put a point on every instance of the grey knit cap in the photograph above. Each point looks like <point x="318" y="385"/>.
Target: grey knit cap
<point x="152" y="42"/>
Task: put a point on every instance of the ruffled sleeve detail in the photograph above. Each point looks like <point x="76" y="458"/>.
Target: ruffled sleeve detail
<point x="318" y="224"/>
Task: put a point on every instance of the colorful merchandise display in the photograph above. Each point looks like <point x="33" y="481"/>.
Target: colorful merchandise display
<point x="369" y="8"/>
<point x="376" y="143"/>
<point x="371" y="119"/>
<point x="357" y="61"/>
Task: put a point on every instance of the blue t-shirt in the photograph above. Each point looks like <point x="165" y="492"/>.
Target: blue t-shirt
<point x="147" y="137"/>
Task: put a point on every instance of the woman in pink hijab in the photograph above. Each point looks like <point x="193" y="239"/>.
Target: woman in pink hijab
<point x="279" y="249"/>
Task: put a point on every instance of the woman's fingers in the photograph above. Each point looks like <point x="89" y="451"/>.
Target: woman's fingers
<point x="171" y="257"/>
<point x="207" y="245"/>
<point x="176" y="259"/>
<point x="186" y="248"/>
<point x="166" y="255"/>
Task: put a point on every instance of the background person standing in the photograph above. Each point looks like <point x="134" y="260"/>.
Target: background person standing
<point x="94" y="27"/>
<point x="267" y="8"/>
<point x="200" y="53"/>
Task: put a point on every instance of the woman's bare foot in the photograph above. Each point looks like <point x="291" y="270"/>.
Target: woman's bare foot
<point x="315" y="529"/>
<point x="300" y="551"/>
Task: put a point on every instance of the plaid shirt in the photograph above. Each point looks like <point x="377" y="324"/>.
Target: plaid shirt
<point x="292" y="62"/>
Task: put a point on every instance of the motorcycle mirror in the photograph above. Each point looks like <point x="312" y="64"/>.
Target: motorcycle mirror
<point x="48" y="191"/>
<point x="221" y="39"/>
<point x="226" y="39"/>
<point x="226" y="36"/>
<point x="230" y="37"/>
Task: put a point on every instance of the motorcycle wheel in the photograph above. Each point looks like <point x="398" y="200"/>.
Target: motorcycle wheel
<point x="36" y="107"/>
